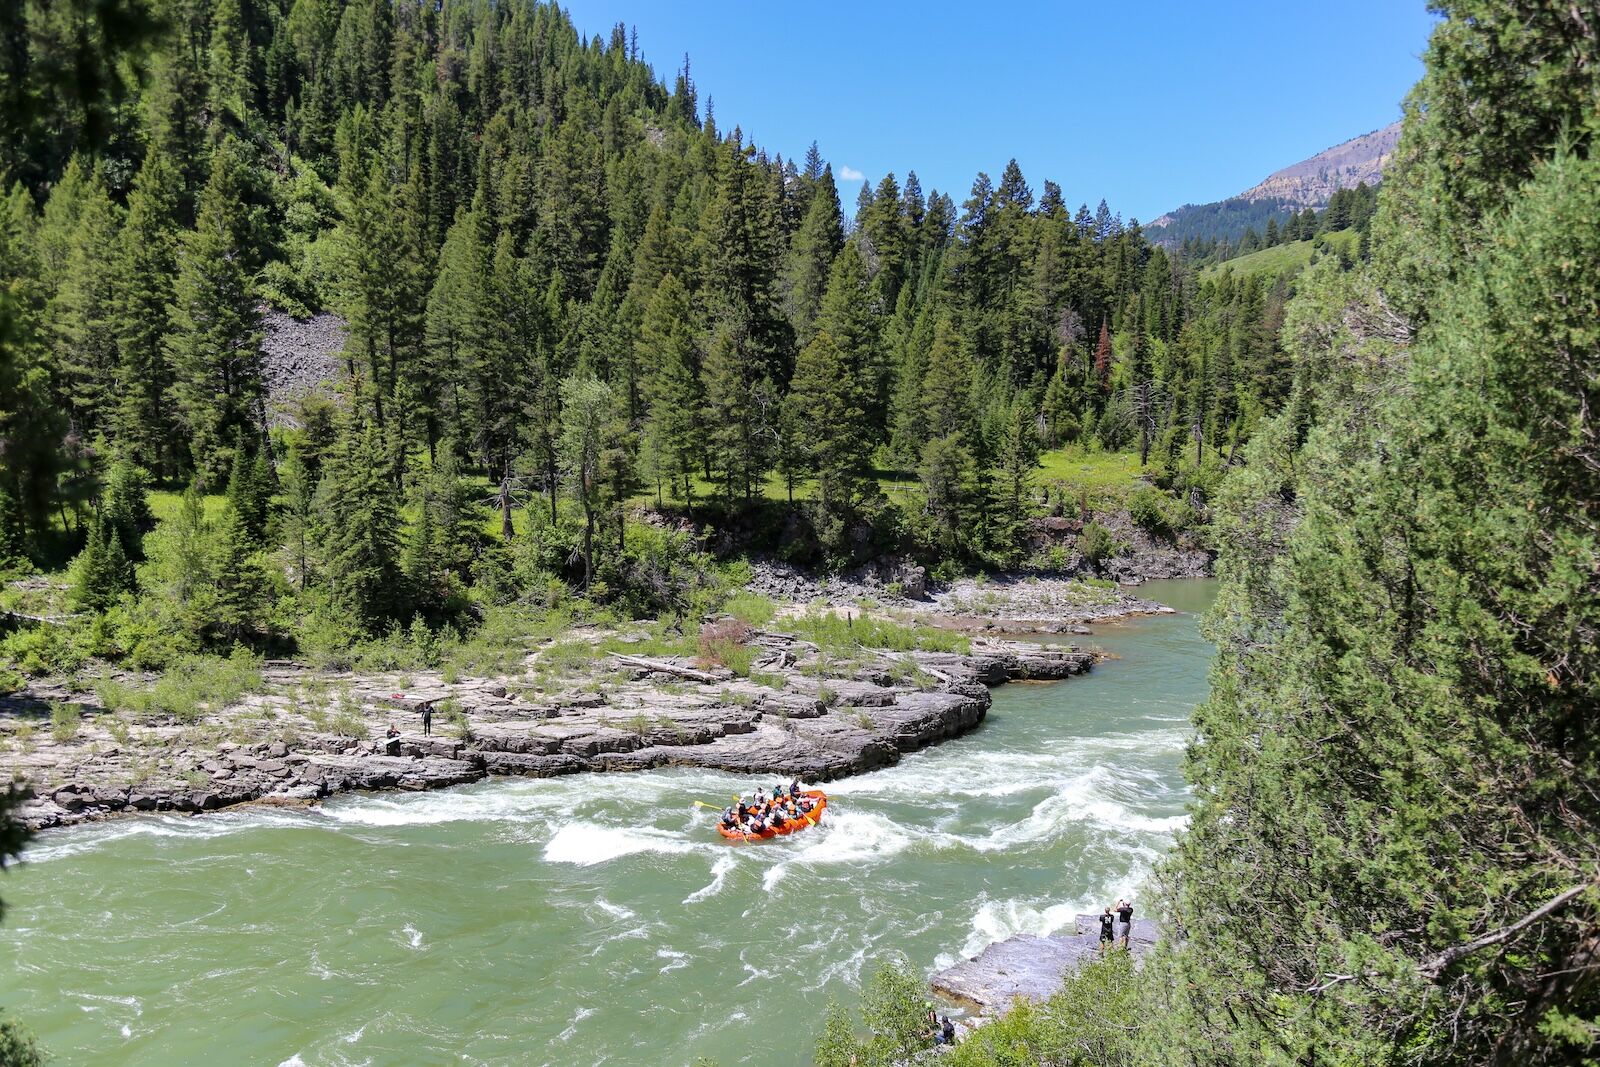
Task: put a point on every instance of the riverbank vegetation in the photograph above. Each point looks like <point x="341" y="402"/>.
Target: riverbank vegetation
<point x="1397" y="785"/>
<point x="594" y="338"/>
<point x="598" y="346"/>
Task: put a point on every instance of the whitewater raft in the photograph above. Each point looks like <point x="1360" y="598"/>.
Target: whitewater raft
<point x="810" y="818"/>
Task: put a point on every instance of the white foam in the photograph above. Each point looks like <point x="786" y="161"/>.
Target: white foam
<point x="586" y="844"/>
<point x="572" y="1028"/>
<point x="996" y="920"/>
<point x="413" y="935"/>
<point x="675" y="960"/>
<point x="719" y="876"/>
<point x="616" y="911"/>
<point x="1085" y="799"/>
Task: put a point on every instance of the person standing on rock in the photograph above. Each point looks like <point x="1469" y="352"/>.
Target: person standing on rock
<point x="1125" y="913"/>
<point x="427" y="720"/>
<point x="1108" y="930"/>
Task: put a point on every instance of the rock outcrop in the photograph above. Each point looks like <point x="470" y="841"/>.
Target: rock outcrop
<point x="1030" y="967"/>
<point x="645" y="716"/>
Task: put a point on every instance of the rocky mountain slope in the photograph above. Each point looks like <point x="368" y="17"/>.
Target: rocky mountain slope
<point x="1311" y="182"/>
<point x="1308" y="183"/>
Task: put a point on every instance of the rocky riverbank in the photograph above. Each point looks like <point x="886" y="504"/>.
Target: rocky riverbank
<point x="307" y="735"/>
<point x="1030" y="967"/>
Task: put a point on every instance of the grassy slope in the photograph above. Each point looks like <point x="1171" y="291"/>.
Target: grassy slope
<point x="1283" y="259"/>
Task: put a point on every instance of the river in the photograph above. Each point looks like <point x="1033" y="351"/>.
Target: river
<point x="598" y="919"/>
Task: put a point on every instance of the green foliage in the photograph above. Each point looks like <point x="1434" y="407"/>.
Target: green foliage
<point x="1096" y="1019"/>
<point x="214" y="346"/>
<point x="127" y="507"/>
<point x="65" y="720"/>
<point x="1391" y="850"/>
<point x="360" y="512"/>
<point x="1096" y="544"/>
<point x="894" y="1009"/>
<point x="101" y="573"/>
<point x="1157" y="512"/>
<point x="18" y="1047"/>
<point x="835" y="632"/>
<point x="751" y="608"/>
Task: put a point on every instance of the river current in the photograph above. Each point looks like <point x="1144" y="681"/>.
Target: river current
<point x="598" y="919"/>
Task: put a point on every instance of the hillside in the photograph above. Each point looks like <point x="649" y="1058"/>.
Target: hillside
<point x="1288" y="258"/>
<point x="1308" y="183"/>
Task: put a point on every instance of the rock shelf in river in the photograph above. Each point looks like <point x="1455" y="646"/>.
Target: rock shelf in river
<point x="267" y="748"/>
<point x="1029" y="966"/>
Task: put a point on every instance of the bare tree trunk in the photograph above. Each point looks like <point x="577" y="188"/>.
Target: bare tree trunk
<point x="588" y="545"/>
<point x="507" y="531"/>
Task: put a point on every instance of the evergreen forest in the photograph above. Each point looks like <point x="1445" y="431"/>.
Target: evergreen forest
<point x="599" y="349"/>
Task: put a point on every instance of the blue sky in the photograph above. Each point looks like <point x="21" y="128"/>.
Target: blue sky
<point x="1149" y="105"/>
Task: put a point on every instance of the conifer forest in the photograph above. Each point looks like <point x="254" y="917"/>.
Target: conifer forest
<point x="599" y="359"/>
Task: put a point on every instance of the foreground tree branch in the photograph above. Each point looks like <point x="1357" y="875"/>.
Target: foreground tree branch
<point x="1436" y="965"/>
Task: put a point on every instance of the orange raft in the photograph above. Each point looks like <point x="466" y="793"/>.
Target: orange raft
<point x="810" y="818"/>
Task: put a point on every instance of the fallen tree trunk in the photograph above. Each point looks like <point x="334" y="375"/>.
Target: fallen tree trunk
<point x="666" y="668"/>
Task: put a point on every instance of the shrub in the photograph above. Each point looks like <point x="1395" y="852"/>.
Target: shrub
<point x="1070" y="1027"/>
<point x="1097" y="544"/>
<point x="832" y="632"/>
<point x="893" y="1005"/>
<point x="723" y="643"/>
<point x="1148" y="509"/>
<point x="65" y="721"/>
<point x="198" y="684"/>
<point x="18" y="1047"/>
<point x="751" y="608"/>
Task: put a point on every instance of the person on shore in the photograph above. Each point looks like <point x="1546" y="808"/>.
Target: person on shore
<point x="947" y="1030"/>
<point x="932" y="1031"/>
<point x="1125" y="913"/>
<point x="1108" y="930"/>
<point x="391" y="743"/>
<point x="427" y="720"/>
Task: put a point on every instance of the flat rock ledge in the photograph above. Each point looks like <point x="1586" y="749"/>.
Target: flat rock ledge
<point x="649" y="716"/>
<point x="1030" y="967"/>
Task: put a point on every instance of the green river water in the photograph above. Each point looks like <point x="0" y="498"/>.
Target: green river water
<point x="598" y="919"/>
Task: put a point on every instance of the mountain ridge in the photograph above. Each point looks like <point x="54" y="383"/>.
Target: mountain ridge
<point x="1308" y="183"/>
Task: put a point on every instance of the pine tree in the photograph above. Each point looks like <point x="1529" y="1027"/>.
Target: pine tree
<point x="947" y="388"/>
<point x="1102" y="358"/>
<point x="30" y="422"/>
<point x="100" y="573"/>
<point x="82" y="312"/>
<point x="250" y="491"/>
<point x="240" y="576"/>
<point x="126" y="507"/>
<point x="299" y="514"/>
<point x="828" y="413"/>
<point x="215" y="344"/>
<point x="361" y="517"/>
<point x="811" y="255"/>
<point x="146" y="266"/>
<point x="666" y="342"/>
<point x="846" y="315"/>
<point x="1018" y="456"/>
<point x="457" y="330"/>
